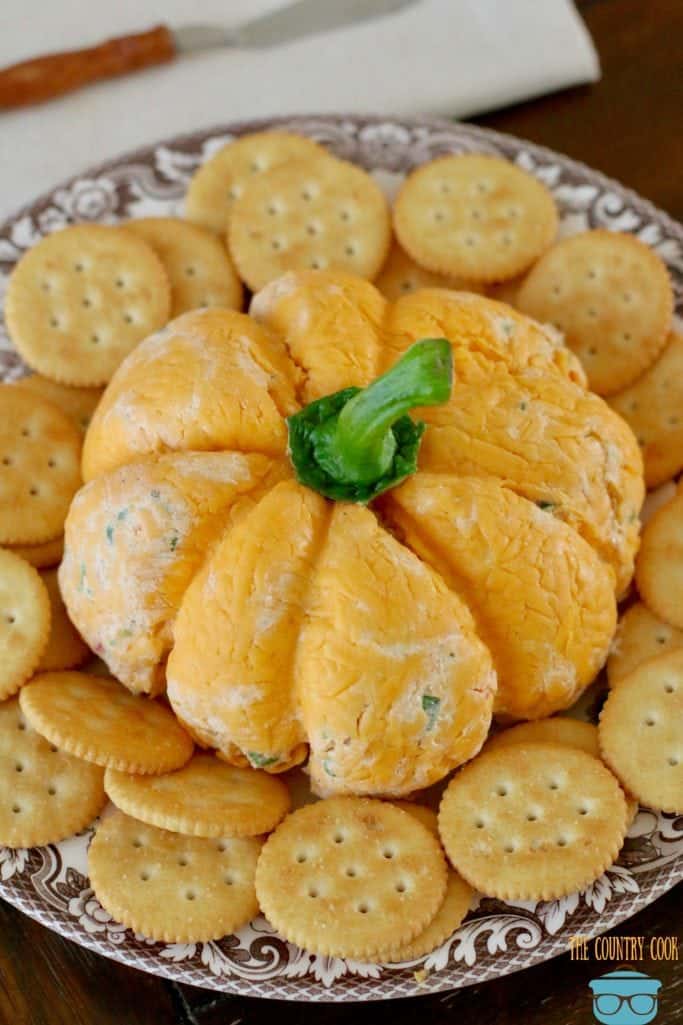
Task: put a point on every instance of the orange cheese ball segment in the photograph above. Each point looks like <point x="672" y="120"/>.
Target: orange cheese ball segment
<point x="486" y="328"/>
<point x="518" y="412"/>
<point x="309" y="622"/>
<point x="134" y="539"/>
<point x="396" y="686"/>
<point x="331" y="323"/>
<point x="542" y="600"/>
<point x="212" y="379"/>
<point x="230" y="675"/>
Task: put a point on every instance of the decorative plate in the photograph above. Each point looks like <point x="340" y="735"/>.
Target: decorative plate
<point x="50" y="883"/>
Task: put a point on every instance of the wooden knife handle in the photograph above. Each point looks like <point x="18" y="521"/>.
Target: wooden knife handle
<point x="43" y="78"/>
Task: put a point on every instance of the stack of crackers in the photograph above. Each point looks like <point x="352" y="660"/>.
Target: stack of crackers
<point x="190" y="848"/>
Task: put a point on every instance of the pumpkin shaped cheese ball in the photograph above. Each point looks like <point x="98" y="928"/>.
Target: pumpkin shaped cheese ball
<point x="245" y="536"/>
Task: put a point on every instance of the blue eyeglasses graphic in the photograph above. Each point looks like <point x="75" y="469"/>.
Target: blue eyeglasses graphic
<point x="625" y="997"/>
<point x="610" y="1003"/>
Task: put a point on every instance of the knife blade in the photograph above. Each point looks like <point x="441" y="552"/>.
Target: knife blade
<point x="44" y="78"/>
<point x="285" y="24"/>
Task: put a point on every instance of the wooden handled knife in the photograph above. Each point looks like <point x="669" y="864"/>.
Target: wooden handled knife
<point x="44" y="78"/>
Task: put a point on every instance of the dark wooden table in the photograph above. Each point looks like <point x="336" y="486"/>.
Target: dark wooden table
<point x="629" y="126"/>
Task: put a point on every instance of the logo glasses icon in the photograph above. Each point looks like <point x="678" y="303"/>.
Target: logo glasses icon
<point x="625" y="998"/>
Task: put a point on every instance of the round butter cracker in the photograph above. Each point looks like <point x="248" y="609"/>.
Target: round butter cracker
<point x="45" y="794"/>
<point x="318" y="213"/>
<point x="653" y="408"/>
<point x="82" y="298"/>
<point x="99" y="720"/>
<point x="350" y="877"/>
<point x="199" y="269"/>
<point x="24" y="621"/>
<point x="611" y="296"/>
<point x="474" y="216"/>
<point x="640" y="636"/>
<point x="65" y="647"/>
<point x="40" y="451"/>
<point x="659" y="566"/>
<point x="206" y="797"/>
<point x="172" y="888"/>
<point x="532" y="822"/>
<point x="641" y="732"/>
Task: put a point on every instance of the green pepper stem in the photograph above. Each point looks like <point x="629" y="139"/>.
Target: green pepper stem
<point x="358" y="445"/>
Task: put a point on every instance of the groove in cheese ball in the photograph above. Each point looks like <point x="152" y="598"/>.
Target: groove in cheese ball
<point x="212" y="379"/>
<point x="310" y="623"/>
<point x="134" y="539"/>
<point x="542" y="600"/>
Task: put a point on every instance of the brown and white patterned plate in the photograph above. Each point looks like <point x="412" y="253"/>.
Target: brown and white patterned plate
<point x="50" y="883"/>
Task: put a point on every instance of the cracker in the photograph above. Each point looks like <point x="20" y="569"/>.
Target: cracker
<point x="640" y="636"/>
<point x="42" y="555"/>
<point x="79" y="404"/>
<point x="24" y="621"/>
<point x="474" y="216"/>
<point x="641" y="732"/>
<point x="653" y="407"/>
<point x="222" y="179"/>
<point x="197" y="263"/>
<point x="172" y="888"/>
<point x="65" y="647"/>
<point x="349" y="877"/>
<point x="557" y="730"/>
<point x="45" y="795"/>
<point x="40" y="453"/>
<point x="532" y="822"/>
<point x="99" y="720"/>
<point x="659" y="566"/>
<point x="318" y="213"/>
<point x="401" y="275"/>
<point x="611" y="296"/>
<point x="207" y="797"/>
<point x="82" y="299"/>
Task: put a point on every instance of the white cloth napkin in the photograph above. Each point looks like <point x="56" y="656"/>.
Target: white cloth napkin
<point x="440" y="57"/>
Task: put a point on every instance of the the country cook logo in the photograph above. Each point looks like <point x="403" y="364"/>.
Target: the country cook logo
<point x="625" y="997"/>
